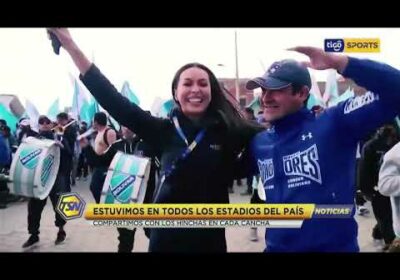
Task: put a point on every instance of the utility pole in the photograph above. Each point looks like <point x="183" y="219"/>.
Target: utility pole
<point x="237" y="70"/>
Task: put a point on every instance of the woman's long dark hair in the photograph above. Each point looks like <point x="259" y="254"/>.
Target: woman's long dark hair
<point x="220" y="105"/>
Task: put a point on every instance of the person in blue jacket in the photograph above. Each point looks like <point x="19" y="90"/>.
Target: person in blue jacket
<point x="4" y="162"/>
<point x="4" y="152"/>
<point x="304" y="158"/>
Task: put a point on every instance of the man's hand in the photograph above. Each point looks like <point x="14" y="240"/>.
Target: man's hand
<point x="59" y="144"/>
<point x="83" y="142"/>
<point x="321" y="60"/>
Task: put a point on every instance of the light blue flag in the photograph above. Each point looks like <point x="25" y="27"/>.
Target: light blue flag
<point x="255" y="105"/>
<point x="331" y="87"/>
<point x="349" y="93"/>
<point x="313" y="101"/>
<point x="24" y="116"/>
<point x="91" y="110"/>
<point x="94" y="108"/>
<point x="397" y="119"/>
<point x="81" y="106"/>
<point x="54" y="109"/>
<point x="33" y="114"/>
<point x="9" y="117"/>
<point x="128" y="93"/>
<point x="166" y="108"/>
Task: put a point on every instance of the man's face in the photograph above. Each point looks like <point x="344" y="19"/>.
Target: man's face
<point x="388" y="131"/>
<point x="279" y="103"/>
<point x="45" y="125"/>
<point x="24" y="127"/>
<point x="62" y="121"/>
<point x="95" y="125"/>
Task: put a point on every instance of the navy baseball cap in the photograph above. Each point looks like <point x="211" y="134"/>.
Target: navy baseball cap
<point x="282" y="74"/>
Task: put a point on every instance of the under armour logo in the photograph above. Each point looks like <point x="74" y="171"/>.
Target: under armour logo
<point x="215" y="147"/>
<point x="305" y="136"/>
<point x="271" y="129"/>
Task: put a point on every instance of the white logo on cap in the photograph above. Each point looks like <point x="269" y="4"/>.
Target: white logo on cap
<point x="274" y="67"/>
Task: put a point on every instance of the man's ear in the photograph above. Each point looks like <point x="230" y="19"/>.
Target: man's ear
<point x="304" y="93"/>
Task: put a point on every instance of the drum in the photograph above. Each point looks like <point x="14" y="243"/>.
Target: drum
<point x="126" y="180"/>
<point x="34" y="168"/>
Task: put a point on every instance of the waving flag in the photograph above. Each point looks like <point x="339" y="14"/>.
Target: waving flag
<point x="81" y="105"/>
<point x="349" y="93"/>
<point x="156" y="106"/>
<point x="314" y="101"/>
<point x="161" y="108"/>
<point x="315" y="91"/>
<point x="166" y="108"/>
<point x="32" y="113"/>
<point x="9" y="117"/>
<point x="92" y="109"/>
<point x="331" y="87"/>
<point x="128" y="93"/>
<point x="255" y="105"/>
<point x="397" y="119"/>
<point x="54" y="109"/>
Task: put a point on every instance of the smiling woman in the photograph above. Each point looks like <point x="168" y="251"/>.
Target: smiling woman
<point x="192" y="90"/>
<point x="193" y="171"/>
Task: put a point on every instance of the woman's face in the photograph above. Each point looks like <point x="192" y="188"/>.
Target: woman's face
<point x="193" y="92"/>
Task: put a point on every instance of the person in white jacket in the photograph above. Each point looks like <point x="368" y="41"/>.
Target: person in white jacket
<point x="389" y="185"/>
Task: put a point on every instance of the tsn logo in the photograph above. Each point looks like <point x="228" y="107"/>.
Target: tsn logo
<point x="70" y="206"/>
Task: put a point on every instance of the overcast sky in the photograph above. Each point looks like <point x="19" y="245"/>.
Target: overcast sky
<point x="148" y="57"/>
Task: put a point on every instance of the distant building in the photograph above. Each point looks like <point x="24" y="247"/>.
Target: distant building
<point x="246" y="96"/>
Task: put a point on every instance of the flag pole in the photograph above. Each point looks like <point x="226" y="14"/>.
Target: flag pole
<point x="237" y="71"/>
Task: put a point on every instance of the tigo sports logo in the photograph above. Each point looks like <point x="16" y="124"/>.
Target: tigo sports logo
<point x="334" y="45"/>
<point x="353" y="45"/>
<point x="70" y="206"/>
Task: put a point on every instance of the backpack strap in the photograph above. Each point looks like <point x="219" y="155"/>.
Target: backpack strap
<point x="105" y="136"/>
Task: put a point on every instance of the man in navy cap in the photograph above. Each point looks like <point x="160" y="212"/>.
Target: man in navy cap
<point x="307" y="159"/>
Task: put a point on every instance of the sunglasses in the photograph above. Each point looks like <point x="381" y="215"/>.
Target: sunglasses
<point x="44" y="121"/>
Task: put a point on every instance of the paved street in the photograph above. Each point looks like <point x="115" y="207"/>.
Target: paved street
<point x="82" y="237"/>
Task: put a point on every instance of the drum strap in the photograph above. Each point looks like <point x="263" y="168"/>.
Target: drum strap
<point x="181" y="157"/>
<point x="105" y="136"/>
